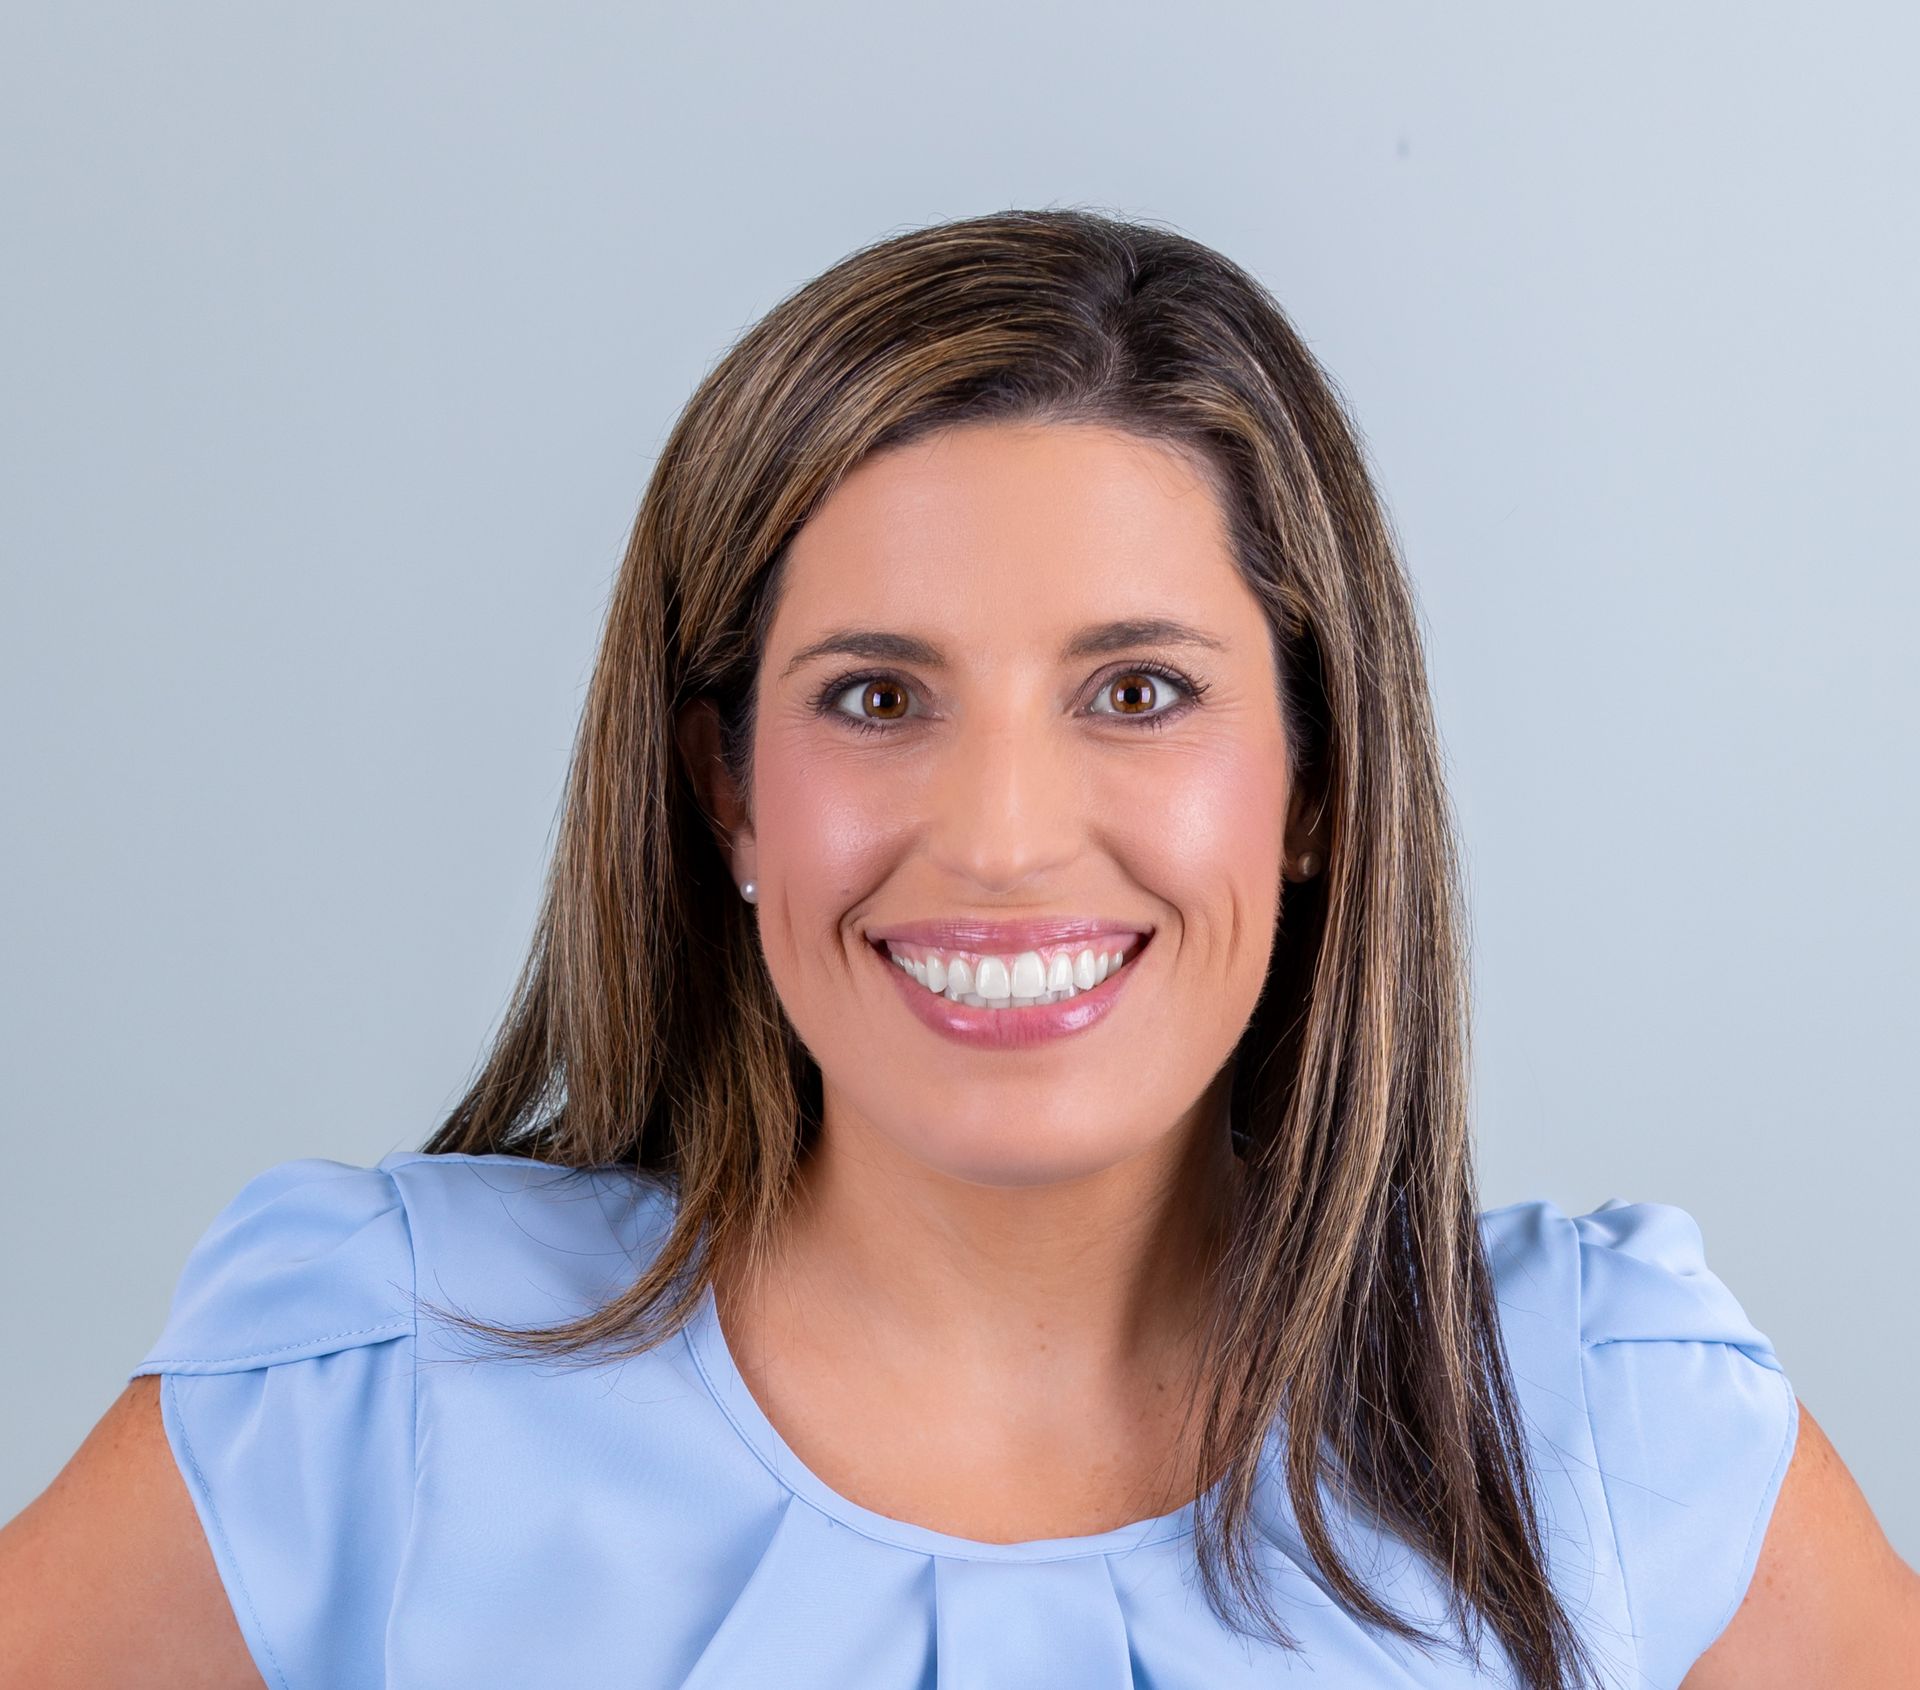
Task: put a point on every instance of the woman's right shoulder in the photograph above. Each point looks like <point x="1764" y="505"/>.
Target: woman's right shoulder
<point x="240" y="1515"/>
<point x="180" y="1544"/>
<point x="313" y="1256"/>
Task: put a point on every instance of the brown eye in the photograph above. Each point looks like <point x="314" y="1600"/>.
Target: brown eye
<point x="881" y="703"/>
<point x="1142" y="695"/>
<point x="882" y="691"/>
<point x="1133" y="693"/>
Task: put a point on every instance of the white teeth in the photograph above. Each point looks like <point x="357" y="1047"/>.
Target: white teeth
<point x="1012" y="982"/>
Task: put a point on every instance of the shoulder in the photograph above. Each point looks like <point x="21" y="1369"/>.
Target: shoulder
<point x="291" y="1361"/>
<point x="1626" y="1270"/>
<point x="309" y="1256"/>
<point x="1831" y="1601"/>
<point x="313" y="1256"/>
<point x="105" y="1577"/>
<point x="1661" y="1418"/>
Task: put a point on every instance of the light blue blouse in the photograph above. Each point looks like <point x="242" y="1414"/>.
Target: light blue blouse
<point x="386" y="1509"/>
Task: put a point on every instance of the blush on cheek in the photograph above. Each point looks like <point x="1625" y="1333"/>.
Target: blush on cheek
<point x="826" y="836"/>
<point x="1209" y="836"/>
<point x="820" y="807"/>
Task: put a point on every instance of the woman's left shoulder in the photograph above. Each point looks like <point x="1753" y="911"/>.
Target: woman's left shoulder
<point x="1632" y="1271"/>
<point x="1661" y="1411"/>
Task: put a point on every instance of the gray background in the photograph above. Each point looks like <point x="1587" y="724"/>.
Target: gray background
<point x="338" y="342"/>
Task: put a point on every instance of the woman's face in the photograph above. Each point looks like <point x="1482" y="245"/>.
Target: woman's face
<point x="1000" y="777"/>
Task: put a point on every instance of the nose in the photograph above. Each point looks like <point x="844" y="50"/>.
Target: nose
<point x="1006" y="803"/>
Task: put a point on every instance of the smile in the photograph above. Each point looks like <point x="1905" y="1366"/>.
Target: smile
<point x="1011" y="1000"/>
<point x="1049" y="975"/>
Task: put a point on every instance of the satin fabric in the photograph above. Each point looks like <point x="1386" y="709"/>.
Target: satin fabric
<point x="388" y="1505"/>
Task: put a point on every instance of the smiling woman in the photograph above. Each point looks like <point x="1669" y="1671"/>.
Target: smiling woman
<point x="1000" y="766"/>
<point x="981" y="1133"/>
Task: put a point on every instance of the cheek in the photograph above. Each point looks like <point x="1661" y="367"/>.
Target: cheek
<point x="1189" y="835"/>
<point x="825" y="835"/>
<point x="1208" y="837"/>
<point x="1200" y="826"/>
<point x="1221" y="812"/>
<point x="819" y="826"/>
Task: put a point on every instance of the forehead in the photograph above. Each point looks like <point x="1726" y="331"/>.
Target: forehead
<point x="1055" y="524"/>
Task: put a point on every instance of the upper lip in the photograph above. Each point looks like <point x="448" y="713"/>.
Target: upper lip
<point x="977" y="934"/>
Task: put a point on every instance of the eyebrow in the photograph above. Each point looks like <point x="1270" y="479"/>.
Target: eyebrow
<point x="1097" y="640"/>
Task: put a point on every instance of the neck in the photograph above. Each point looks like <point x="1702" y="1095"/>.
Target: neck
<point x="1038" y="1298"/>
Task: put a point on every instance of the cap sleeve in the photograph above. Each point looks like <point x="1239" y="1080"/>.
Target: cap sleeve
<point x="287" y="1392"/>
<point x="1693" y="1424"/>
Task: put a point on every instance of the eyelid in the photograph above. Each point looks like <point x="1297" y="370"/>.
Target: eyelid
<point x="1160" y="672"/>
<point x="1160" y="669"/>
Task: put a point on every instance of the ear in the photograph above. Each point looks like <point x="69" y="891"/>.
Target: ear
<point x="697" y="728"/>
<point x="1308" y="826"/>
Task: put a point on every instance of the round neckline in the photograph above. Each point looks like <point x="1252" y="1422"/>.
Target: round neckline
<point x="713" y="1358"/>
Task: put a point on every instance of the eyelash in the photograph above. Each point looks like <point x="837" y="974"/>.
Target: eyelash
<point x="823" y="700"/>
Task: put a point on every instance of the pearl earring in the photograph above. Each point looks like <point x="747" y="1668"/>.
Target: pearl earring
<point x="1309" y="865"/>
<point x="749" y="891"/>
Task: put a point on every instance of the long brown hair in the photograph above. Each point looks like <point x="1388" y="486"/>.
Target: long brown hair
<point x="1353" y="1298"/>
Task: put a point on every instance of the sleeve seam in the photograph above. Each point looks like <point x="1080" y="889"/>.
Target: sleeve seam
<point x="413" y="1353"/>
<point x="1593" y="1442"/>
<point x="1746" y="1344"/>
<point x="393" y="1328"/>
<point x="1762" y="1513"/>
<point x="223" y="1545"/>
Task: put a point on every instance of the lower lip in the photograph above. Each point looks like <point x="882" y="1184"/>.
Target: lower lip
<point x="1010" y="1029"/>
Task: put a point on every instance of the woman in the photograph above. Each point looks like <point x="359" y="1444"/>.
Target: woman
<point x="974" y="1188"/>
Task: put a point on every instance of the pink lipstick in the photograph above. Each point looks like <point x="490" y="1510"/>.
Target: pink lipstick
<point x="1027" y="1024"/>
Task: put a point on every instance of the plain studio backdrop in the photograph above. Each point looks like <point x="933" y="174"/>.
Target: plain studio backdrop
<point x="339" y="341"/>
